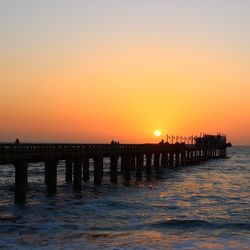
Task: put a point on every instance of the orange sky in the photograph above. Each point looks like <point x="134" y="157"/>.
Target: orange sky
<point x="87" y="85"/>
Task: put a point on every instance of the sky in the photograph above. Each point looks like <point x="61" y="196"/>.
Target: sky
<point x="93" y="71"/>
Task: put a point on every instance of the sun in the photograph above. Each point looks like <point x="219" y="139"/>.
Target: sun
<point x="157" y="133"/>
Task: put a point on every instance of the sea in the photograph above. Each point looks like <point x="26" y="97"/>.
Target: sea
<point x="204" y="206"/>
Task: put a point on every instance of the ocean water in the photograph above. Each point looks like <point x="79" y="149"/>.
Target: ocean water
<point x="206" y="206"/>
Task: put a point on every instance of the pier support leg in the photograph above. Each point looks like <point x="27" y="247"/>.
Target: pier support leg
<point x="85" y="169"/>
<point x="191" y="156"/>
<point x="52" y="176"/>
<point x="164" y="160"/>
<point x="183" y="158"/>
<point x="188" y="157"/>
<point x="177" y="159"/>
<point x="139" y="166"/>
<point x="205" y="154"/>
<point x="223" y="152"/>
<point x="26" y="175"/>
<point x="194" y="156"/>
<point x="46" y="172"/>
<point x="209" y="154"/>
<point x="20" y="181"/>
<point x="113" y="169"/>
<point x="123" y="165"/>
<point x="68" y="171"/>
<point x="98" y="168"/>
<point x="77" y="172"/>
<point x="126" y="170"/>
<point x="157" y="161"/>
<point x="171" y="159"/>
<point x="148" y="163"/>
<point x="132" y="163"/>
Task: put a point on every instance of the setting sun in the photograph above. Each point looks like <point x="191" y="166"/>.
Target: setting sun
<point x="157" y="133"/>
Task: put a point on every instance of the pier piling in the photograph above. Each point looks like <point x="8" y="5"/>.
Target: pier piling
<point x="127" y="174"/>
<point x="52" y="176"/>
<point x="85" y="169"/>
<point x="68" y="171"/>
<point x="139" y="166"/>
<point x="46" y="172"/>
<point x="133" y="163"/>
<point x="113" y="169"/>
<point x="98" y="170"/>
<point x="20" y="181"/>
<point x="157" y="161"/>
<point x="177" y="159"/>
<point x="148" y="163"/>
<point x="77" y="172"/>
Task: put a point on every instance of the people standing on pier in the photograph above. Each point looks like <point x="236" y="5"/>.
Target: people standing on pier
<point x="115" y="142"/>
<point x="161" y="142"/>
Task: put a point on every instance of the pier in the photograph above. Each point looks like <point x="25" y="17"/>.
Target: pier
<point x="137" y="158"/>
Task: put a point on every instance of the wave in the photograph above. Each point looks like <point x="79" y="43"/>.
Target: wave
<point x="175" y="225"/>
<point x="199" y="224"/>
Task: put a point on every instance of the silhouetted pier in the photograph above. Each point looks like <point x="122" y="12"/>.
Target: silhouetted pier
<point x="136" y="158"/>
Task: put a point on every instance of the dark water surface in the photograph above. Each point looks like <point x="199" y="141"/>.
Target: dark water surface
<point x="206" y="206"/>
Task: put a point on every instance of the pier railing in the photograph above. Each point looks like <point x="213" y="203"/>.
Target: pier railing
<point x="10" y="152"/>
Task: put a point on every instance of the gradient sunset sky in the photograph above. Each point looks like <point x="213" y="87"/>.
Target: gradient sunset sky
<point x="97" y="70"/>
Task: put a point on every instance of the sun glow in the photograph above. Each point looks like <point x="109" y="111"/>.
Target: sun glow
<point x="157" y="133"/>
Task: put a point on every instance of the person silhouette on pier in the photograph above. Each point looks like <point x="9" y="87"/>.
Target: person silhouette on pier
<point x="17" y="141"/>
<point x="115" y="142"/>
